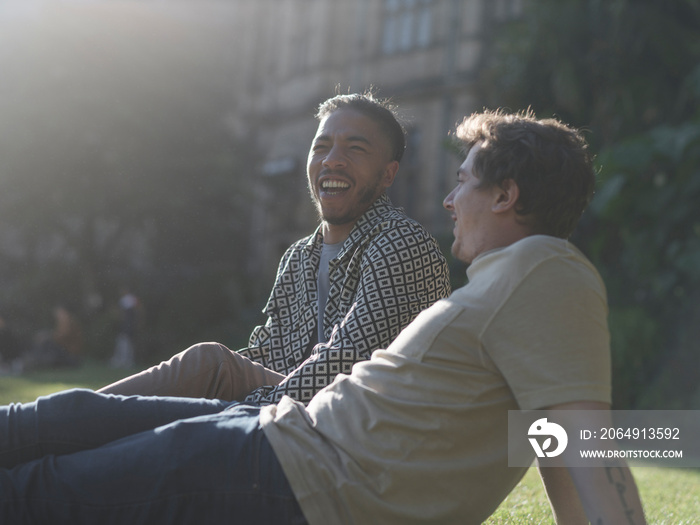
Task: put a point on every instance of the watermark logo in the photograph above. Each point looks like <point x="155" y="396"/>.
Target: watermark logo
<point x="542" y="427"/>
<point x="601" y="438"/>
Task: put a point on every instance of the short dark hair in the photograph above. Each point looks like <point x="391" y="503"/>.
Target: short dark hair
<point x="548" y="160"/>
<point x="381" y="111"/>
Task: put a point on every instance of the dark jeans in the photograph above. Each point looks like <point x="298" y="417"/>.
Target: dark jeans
<point x="81" y="457"/>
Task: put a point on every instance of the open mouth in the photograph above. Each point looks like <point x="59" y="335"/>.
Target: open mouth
<point x="333" y="187"/>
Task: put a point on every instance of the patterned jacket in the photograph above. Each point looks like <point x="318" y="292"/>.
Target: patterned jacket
<point x="388" y="270"/>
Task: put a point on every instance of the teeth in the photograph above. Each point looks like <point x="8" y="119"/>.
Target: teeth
<point x="329" y="184"/>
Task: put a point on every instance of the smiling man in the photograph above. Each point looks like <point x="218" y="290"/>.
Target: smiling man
<point x="416" y="434"/>
<point x="351" y="163"/>
<point x="339" y="294"/>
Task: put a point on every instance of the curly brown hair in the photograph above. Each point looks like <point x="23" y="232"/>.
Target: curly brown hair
<point x="547" y="159"/>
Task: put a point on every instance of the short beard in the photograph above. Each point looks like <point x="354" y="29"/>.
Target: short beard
<point x="366" y="199"/>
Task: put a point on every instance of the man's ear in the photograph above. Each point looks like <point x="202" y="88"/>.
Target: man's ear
<point x="390" y="173"/>
<point x="506" y="196"/>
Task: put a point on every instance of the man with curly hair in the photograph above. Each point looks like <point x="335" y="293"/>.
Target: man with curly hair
<point x="417" y="433"/>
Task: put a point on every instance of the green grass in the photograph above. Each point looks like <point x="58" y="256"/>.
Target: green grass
<point x="670" y="496"/>
<point x="20" y="389"/>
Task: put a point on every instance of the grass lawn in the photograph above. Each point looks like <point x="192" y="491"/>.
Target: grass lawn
<point x="20" y="389"/>
<point x="670" y="496"/>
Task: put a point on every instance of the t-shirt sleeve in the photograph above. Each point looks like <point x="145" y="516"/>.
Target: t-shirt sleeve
<point x="550" y="337"/>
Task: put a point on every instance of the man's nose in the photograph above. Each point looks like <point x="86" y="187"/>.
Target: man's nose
<point x="447" y="203"/>
<point x="334" y="159"/>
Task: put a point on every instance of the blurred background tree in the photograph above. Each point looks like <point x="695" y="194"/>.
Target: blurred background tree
<point x="628" y="71"/>
<point x="120" y="169"/>
<point x="160" y="217"/>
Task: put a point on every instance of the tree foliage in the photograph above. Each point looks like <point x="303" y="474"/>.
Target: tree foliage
<point x="628" y="72"/>
<point x="158" y="212"/>
<point x="122" y="164"/>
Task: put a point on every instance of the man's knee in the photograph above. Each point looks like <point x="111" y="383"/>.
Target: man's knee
<point x="75" y="398"/>
<point x="209" y="353"/>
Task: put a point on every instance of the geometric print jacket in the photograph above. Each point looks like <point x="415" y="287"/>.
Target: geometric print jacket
<point x="388" y="270"/>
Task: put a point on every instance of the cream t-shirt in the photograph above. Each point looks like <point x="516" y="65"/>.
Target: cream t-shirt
<point x="418" y="434"/>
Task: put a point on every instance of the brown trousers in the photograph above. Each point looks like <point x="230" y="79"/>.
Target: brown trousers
<point x="205" y="370"/>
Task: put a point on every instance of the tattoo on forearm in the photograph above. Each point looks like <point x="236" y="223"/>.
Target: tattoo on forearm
<point x="616" y="477"/>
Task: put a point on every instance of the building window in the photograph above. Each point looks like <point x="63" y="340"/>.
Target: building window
<point x="407" y="25"/>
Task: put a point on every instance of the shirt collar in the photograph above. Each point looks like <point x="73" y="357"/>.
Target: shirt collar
<point x="363" y="225"/>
